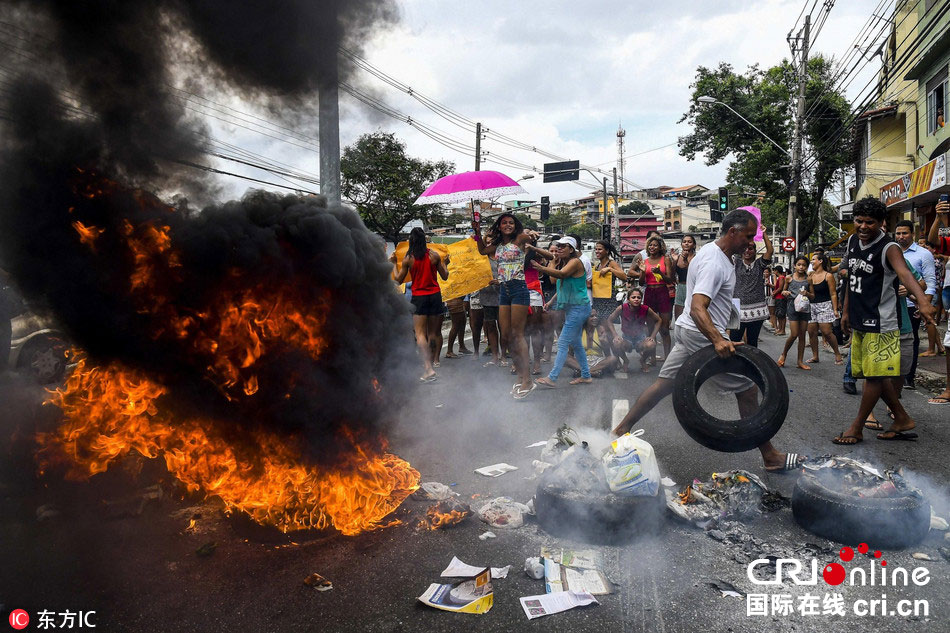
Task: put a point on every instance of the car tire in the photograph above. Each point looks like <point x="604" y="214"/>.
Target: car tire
<point x="731" y="436"/>
<point x="881" y="522"/>
<point x="44" y="358"/>
<point x="605" y="518"/>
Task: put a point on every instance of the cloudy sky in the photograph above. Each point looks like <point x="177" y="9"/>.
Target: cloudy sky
<point x="562" y="76"/>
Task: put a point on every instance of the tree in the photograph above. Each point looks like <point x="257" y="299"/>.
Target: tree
<point x="692" y="228"/>
<point x="558" y="222"/>
<point x="764" y="97"/>
<point x="526" y="221"/>
<point x="383" y="182"/>
<point x="586" y="231"/>
<point x="637" y="207"/>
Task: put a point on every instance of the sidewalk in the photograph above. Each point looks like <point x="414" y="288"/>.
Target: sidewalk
<point x="934" y="364"/>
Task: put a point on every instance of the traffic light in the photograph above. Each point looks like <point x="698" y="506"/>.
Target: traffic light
<point x="605" y="232"/>
<point x="545" y="208"/>
<point x="721" y="206"/>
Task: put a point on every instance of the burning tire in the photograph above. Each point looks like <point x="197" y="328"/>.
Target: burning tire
<point x="44" y="358"/>
<point x="596" y="518"/>
<point x="731" y="436"/>
<point x="883" y="522"/>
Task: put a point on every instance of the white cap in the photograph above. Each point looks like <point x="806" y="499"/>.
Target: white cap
<point x="570" y="241"/>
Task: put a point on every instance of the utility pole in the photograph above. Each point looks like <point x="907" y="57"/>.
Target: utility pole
<point x="796" y="176"/>
<point x="329" y="117"/>
<point x="616" y="235"/>
<point x="605" y="202"/>
<point x="478" y="146"/>
<point x="621" y="133"/>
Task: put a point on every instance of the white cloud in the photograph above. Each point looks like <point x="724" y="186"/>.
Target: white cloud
<point x="562" y="75"/>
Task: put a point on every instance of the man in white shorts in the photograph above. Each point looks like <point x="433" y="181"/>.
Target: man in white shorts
<point x="710" y="283"/>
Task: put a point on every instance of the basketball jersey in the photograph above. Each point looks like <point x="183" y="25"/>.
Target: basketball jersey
<point x="872" y="286"/>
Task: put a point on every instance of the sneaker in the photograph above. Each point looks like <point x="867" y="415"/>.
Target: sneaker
<point x="909" y="384"/>
<point x="850" y="388"/>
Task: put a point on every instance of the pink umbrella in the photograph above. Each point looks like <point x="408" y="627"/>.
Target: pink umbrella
<point x="469" y="185"/>
<point x="758" y="218"/>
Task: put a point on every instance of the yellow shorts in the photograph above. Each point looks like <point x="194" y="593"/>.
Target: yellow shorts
<point x="876" y="355"/>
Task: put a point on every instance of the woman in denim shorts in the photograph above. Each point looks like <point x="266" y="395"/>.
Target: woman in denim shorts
<point x="795" y="285"/>
<point x="506" y="242"/>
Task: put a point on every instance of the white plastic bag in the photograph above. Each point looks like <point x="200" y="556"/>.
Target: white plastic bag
<point x="630" y="466"/>
<point x="802" y="304"/>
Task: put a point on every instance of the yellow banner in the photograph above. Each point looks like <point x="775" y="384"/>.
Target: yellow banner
<point x="602" y="286"/>
<point x="403" y="247"/>
<point x="468" y="271"/>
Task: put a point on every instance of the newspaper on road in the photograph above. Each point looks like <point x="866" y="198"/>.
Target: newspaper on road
<point x="473" y="595"/>
<point x="548" y="603"/>
<point x="458" y="569"/>
<point x="559" y="578"/>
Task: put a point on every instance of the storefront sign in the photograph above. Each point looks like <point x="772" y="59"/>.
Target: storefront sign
<point x="923" y="179"/>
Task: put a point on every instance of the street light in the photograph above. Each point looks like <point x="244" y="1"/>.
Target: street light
<point x="708" y="99"/>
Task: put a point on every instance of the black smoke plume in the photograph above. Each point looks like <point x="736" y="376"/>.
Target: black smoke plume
<point x="90" y="125"/>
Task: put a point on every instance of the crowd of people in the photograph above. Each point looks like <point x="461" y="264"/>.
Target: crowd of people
<point x="866" y="311"/>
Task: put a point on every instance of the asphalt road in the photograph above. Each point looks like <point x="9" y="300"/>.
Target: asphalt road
<point x="141" y="572"/>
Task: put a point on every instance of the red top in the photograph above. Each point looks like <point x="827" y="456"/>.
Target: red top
<point x="423" y="276"/>
<point x="531" y="278"/>
<point x="633" y="322"/>
<point x="943" y="245"/>
<point x="652" y="276"/>
<point x="779" y="287"/>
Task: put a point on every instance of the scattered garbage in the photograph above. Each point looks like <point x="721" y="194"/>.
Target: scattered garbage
<point x="495" y="470"/>
<point x="472" y="595"/>
<point x="945" y="552"/>
<point x="582" y="558"/>
<point x="444" y="514"/>
<point x="630" y="466"/>
<point x="439" y="406"/>
<point x="434" y="491"/>
<point x="539" y="466"/>
<point x="207" y="549"/>
<point x="549" y="603"/>
<point x="534" y="568"/>
<point x="458" y="569"/>
<point x="669" y="483"/>
<point x="727" y="589"/>
<point x="562" y="440"/>
<point x="559" y="577"/>
<point x="537" y="444"/>
<point x="486" y="535"/>
<point x="318" y="582"/>
<point x="921" y="556"/>
<point x="732" y="495"/>
<point x="134" y="504"/>
<point x="937" y="523"/>
<point x="503" y="512"/>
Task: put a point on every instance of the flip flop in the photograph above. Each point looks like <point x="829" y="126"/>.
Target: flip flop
<point x="431" y="378"/>
<point x="545" y="382"/>
<point x="841" y="440"/>
<point x="581" y="381"/>
<point x="874" y="426"/>
<point x="812" y="361"/>
<point x="898" y="435"/>
<point x="793" y="461"/>
<point x="451" y="355"/>
<point x="490" y="363"/>
<point x="939" y="400"/>
<point x="521" y="394"/>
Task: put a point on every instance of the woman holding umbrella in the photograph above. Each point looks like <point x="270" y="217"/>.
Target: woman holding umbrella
<point x="507" y="243"/>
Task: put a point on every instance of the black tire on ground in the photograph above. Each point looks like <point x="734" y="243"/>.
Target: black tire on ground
<point x="597" y="518"/>
<point x="44" y="358"/>
<point x="881" y="522"/>
<point x="731" y="436"/>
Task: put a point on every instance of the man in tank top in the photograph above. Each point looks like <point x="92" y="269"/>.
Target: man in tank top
<point x="875" y="269"/>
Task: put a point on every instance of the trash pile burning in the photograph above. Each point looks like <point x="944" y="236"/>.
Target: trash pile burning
<point x="248" y="344"/>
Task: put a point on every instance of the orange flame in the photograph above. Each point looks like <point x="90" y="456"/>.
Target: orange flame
<point x="444" y="514"/>
<point x="88" y="234"/>
<point x="111" y="411"/>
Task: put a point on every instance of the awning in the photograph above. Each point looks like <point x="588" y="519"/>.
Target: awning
<point x="922" y="185"/>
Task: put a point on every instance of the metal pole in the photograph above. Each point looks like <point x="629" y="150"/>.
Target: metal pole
<point x="604" y="223"/>
<point x="616" y="235"/>
<point x="329" y="115"/>
<point x="795" y="181"/>
<point x="478" y="146"/>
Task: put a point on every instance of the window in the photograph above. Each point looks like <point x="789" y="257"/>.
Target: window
<point x="676" y="226"/>
<point x="862" y="170"/>
<point x="937" y="101"/>
<point x="668" y="215"/>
